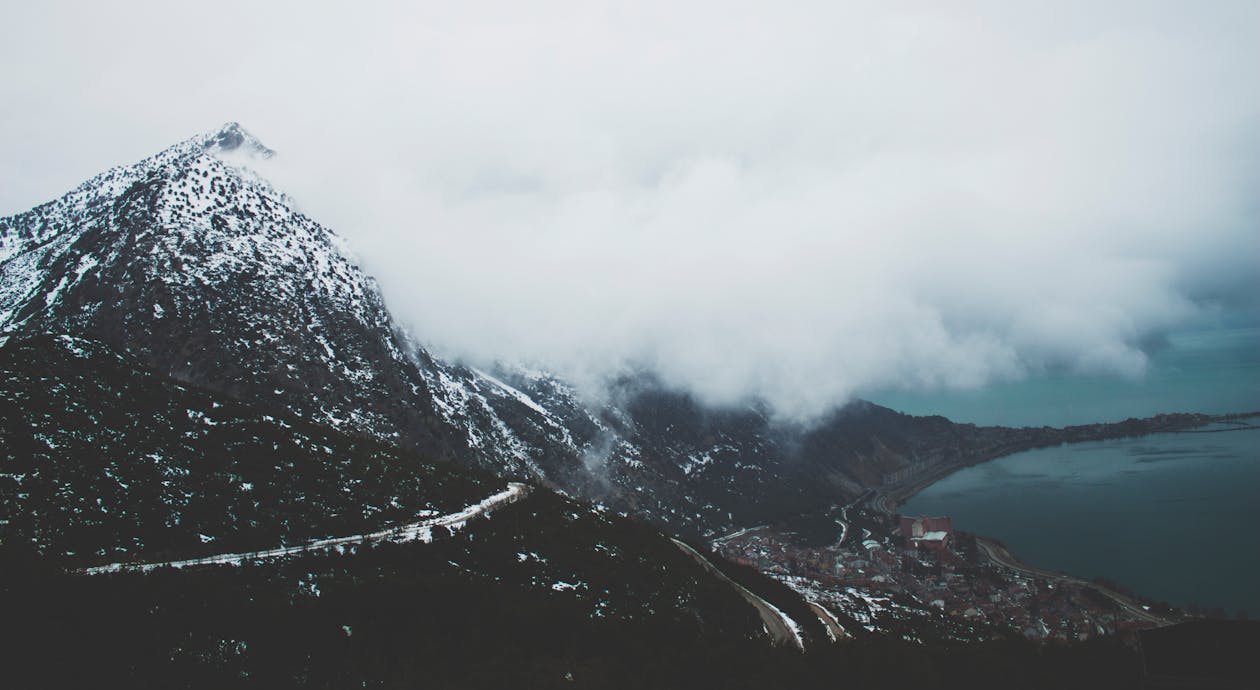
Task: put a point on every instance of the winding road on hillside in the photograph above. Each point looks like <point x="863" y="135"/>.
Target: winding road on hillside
<point x="834" y="630"/>
<point x="782" y="629"/>
<point x="420" y="530"/>
<point x="843" y="521"/>
<point x="998" y="554"/>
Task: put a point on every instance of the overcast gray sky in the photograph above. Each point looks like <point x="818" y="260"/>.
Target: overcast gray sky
<point x="803" y="202"/>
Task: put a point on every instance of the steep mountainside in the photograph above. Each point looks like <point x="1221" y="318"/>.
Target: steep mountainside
<point x="106" y="460"/>
<point x="709" y="469"/>
<point x="206" y="272"/>
<point x="103" y="460"/>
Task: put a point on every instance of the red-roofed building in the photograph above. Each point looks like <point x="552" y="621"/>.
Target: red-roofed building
<point x="931" y="533"/>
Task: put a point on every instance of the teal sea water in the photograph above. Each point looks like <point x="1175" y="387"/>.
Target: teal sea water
<point x="1175" y="517"/>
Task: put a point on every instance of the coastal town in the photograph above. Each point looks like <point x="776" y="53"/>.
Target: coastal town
<point x="918" y="577"/>
<point x="874" y="570"/>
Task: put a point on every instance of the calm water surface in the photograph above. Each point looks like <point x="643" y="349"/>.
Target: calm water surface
<point x="1175" y="517"/>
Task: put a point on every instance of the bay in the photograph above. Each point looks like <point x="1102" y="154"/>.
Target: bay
<point x="1172" y="516"/>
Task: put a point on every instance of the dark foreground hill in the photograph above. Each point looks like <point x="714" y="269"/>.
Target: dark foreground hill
<point x="541" y="591"/>
<point x="106" y="462"/>
<point x="1202" y="654"/>
<point x="102" y="459"/>
<point x="410" y="616"/>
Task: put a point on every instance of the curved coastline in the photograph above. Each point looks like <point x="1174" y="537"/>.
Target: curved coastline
<point x="997" y="553"/>
<point x="890" y="498"/>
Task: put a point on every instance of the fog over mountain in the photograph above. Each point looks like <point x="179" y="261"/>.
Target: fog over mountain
<point x="800" y="204"/>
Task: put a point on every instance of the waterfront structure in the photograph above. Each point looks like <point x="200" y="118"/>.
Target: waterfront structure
<point x="931" y="533"/>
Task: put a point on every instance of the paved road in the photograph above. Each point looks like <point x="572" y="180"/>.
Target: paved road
<point x="843" y="522"/>
<point x="998" y="554"/>
<point x="883" y="503"/>
<point x="866" y="496"/>
<point x="782" y="629"/>
<point x="834" y="629"/>
<point x="418" y="530"/>
<point x="737" y="533"/>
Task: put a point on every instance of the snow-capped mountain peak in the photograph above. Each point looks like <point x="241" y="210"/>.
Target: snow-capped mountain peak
<point x="204" y="270"/>
<point x="232" y="137"/>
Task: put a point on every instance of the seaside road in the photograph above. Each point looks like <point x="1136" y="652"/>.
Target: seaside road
<point x="883" y="503"/>
<point x="998" y="554"/>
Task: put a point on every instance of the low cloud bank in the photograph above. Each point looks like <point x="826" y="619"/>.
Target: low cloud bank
<point x="797" y="204"/>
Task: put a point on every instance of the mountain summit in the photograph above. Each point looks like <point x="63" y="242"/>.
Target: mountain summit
<point x="233" y="137"/>
<point x="203" y="270"/>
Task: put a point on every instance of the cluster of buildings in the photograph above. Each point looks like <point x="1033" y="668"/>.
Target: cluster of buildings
<point x="923" y="561"/>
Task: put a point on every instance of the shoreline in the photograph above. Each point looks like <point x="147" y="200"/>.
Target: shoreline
<point x="997" y="553"/>
<point x="888" y="500"/>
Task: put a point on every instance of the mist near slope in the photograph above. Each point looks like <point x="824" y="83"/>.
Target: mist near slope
<point x="799" y="205"/>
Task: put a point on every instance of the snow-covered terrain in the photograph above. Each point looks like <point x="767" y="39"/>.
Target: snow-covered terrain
<point x="420" y="530"/>
<point x="198" y="265"/>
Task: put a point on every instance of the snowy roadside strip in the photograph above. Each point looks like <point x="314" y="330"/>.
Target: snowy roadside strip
<point x="739" y="533"/>
<point x="778" y="624"/>
<point x="835" y="631"/>
<point x="413" y="531"/>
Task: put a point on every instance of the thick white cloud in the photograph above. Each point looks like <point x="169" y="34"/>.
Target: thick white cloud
<point x="803" y="204"/>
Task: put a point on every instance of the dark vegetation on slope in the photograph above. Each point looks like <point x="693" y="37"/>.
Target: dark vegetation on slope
<point x="103" y="460"/>
<point x="780" y="595"/>
<point x="95" y="449"/>
<point x="757" y="469"/>
<point x="206" y="273"/>
<point x="545" y="589"/>
<point x="1204" y="653"/>
<point x="404" y="617"/>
